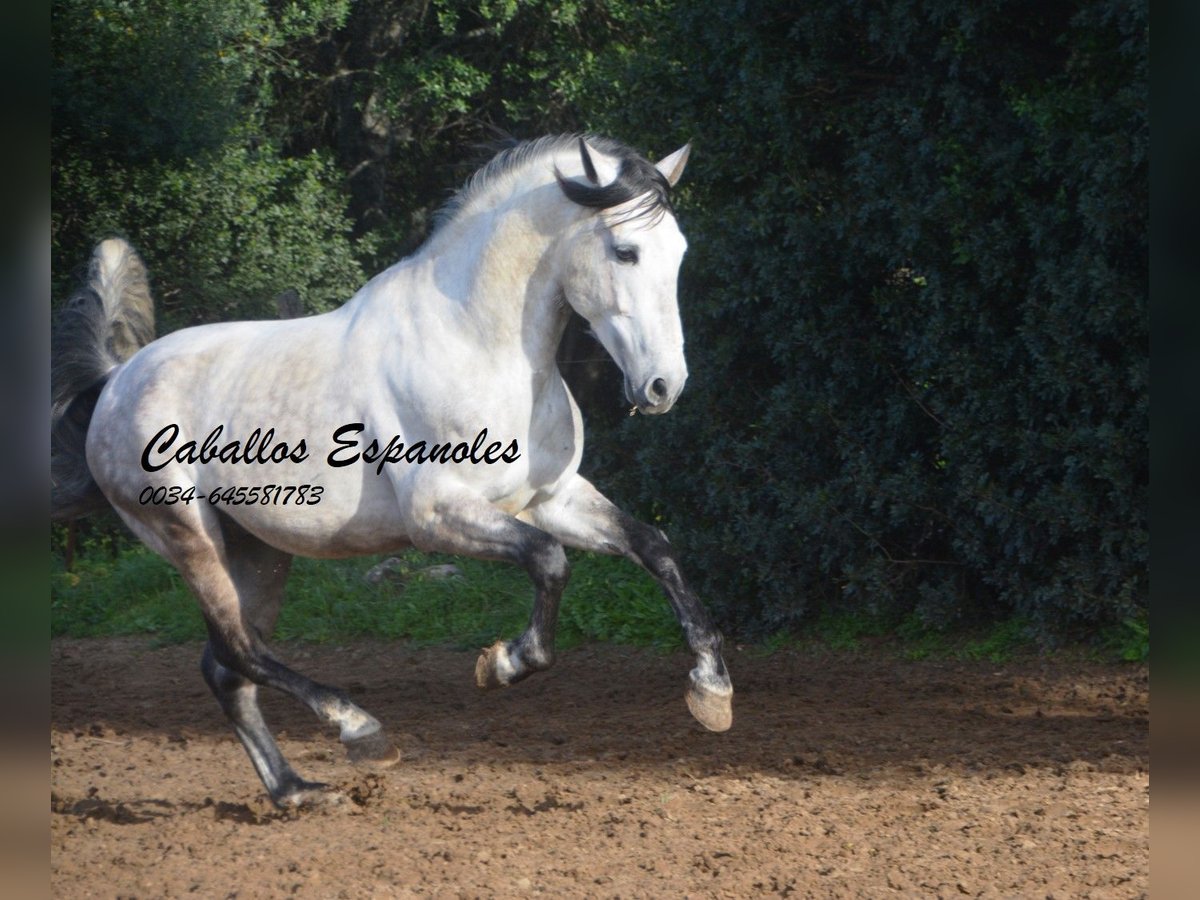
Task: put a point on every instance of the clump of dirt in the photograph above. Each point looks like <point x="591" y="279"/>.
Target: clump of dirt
<point x="844" y="775"/>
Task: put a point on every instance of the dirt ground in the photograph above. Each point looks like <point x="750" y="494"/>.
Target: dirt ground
<point x="843" y="776"/>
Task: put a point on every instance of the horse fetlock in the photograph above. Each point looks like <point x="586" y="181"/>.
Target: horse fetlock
<point x="710" y="700"/>
<point x="356" y="724"/>
<point x="531" y="653"/>
<point x="507" y="662"/>
<point x="352" y="721"/>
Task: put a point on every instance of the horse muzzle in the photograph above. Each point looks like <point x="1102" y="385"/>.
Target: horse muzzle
<point x="656" y="395"/>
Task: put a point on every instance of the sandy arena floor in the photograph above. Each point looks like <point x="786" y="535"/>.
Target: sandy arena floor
<point x="843" y="776"/>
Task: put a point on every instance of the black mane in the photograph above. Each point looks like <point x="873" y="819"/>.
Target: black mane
<point x="636" y="177"/>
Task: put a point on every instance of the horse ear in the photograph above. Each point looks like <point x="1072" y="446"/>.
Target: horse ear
<point x="589" y="167"/>
<point x="671" y="166"/>
<point x="599" y="170"/>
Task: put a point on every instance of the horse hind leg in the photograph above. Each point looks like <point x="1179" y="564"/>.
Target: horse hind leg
<point x="237" y="694"/>
<point x="238" y="581"/>
<point x="238" y="697"/>
<point x="260" y="573"/>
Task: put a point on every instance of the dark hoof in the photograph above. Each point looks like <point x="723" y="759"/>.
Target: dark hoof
<point x="492" y="660"/>
<point x="712" y="709"/>
<point x="373" y="750"/>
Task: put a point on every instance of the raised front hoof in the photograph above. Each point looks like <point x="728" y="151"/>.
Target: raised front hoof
<point x="711" y="708"/>
<point x="372" y="750"/>
<point x="307" y="795"/>
<point x="493" y="668"/>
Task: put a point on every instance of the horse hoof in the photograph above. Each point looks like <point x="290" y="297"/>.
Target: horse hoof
<point x="308" y="795"/>
<point x="373" y="750"/>
<point x="712" y="709"/>
<point x="492" y="660"/>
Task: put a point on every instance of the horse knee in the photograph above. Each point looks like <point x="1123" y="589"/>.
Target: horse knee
<point x="547" y="562"/>
<point x="649" y="548"/>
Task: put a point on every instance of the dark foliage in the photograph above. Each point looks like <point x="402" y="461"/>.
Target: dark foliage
<point x="916" y="308"/>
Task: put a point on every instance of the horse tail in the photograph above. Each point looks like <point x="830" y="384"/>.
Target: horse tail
<point x="107" y="320"/>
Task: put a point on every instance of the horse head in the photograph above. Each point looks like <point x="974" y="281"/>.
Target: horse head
<point x="621" y="264"/>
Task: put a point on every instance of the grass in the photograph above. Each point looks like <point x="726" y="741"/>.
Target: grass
<point x="132" y="591"/>
<point x="126" y="590"/>
<point x="1129" y="640"/>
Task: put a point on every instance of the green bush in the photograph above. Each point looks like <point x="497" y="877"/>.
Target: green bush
<point x="916" y="309"/>
<point x="165" y="131"/>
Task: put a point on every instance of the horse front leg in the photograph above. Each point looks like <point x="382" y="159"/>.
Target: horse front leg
<point x="470" y="526"/>
<point x="582" y="517"/>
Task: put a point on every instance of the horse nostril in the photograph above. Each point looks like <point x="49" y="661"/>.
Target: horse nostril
<point x="658" y="390"/>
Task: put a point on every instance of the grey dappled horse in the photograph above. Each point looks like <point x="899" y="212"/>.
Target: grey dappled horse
<point x="428" y="411"/>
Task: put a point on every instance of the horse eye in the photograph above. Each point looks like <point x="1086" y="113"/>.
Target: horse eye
<point x="626" y="254"/>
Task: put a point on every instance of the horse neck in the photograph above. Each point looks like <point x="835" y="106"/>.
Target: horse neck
<point x="496" y="267"/>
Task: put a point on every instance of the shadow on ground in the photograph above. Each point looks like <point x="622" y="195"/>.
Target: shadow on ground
<point x="793" y="713"/>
